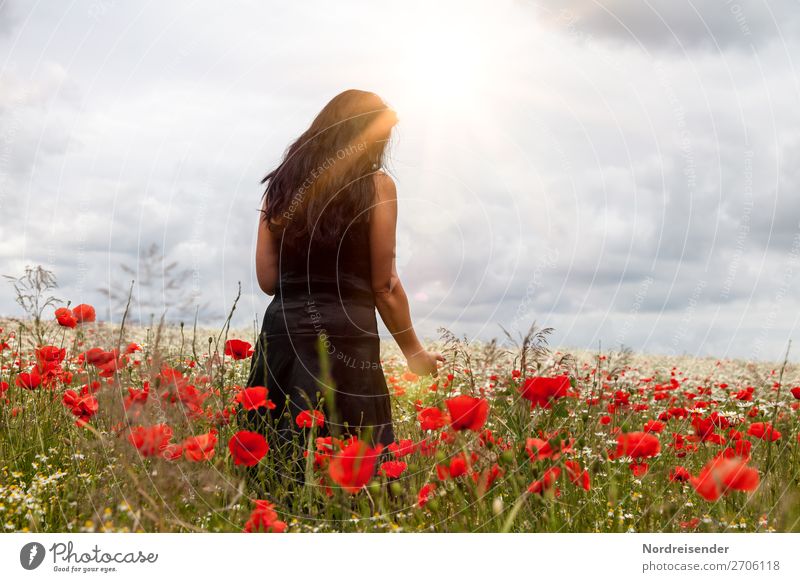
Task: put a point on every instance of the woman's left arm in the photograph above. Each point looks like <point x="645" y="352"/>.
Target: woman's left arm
<point x="266" y="256"/>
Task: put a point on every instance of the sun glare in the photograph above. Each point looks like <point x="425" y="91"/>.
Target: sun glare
<point x="444" y="69"/>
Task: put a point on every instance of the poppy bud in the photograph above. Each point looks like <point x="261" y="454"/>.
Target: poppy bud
<point x="507" y="456"/>
<point x="395" y="488"/>
<point x="374" y="488"/>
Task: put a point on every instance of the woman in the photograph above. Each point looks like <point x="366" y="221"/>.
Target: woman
<point x="326" y="251"/>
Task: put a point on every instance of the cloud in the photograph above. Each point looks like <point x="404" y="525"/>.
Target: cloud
<point x="618" y="196"/>
<point x="676" y="24"/>
<point x="7" y="19"/>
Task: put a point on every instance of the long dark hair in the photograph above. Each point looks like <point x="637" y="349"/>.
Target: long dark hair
<point x="324" y="182"/>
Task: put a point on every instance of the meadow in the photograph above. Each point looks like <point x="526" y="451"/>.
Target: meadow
<point x="122" y="428"/>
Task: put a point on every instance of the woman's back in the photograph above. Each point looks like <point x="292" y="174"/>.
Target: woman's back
<point x="324" y="289"/>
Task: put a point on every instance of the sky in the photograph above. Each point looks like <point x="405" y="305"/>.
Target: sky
<point x="624" y="172"/>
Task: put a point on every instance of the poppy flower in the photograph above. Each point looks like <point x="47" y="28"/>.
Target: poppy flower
<point x="402" y="448"/>
<point x="200" y="447"/>
<point x="679" y="474"/>
<point x="722" y="475"/>
<point x="84" y="406"/>
<point x="639" y="469"/>
<point x="546" y="483"/>
<point x="543" y="392"/>
<point x="637" y="445"/>
<point x="578" y="476"/>
<point x="238" y="349"/>
<point x="763" y="431"/>
<point x="253" y="398"/>
<point x="432" y="418"/>
<point x="133" y="347"/>
<point x="488" y="476"/>
<point x="539" y="449"/>
<point x="354" y="465"/>
<point x="65" y="318"/>
<point x="653" y="426"/>
<point x="393" y="469"/>
<point x="424" y="495"/>
<point x="29" y="380"/>
<point x="50" y="355"/>
<point x="247" y="448"/>
<point x="264" y="519"/>
<point x="84" y="313"/>
<point x="467" y="413"/>
<point x="309" y="418"/>
<point x="172" y="451"/>
<point x="796" y="392"/>
<point x="456" y="468"/>
<point x="150" y="441"/>
<point x="691" y="524"/>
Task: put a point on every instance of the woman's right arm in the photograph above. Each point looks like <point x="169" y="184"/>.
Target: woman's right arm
<point x="390" y="297"/>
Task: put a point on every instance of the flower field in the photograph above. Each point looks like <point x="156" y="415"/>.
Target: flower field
<point x="109" y="428"/>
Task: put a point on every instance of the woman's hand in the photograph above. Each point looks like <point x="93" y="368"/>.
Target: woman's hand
<point x="424" y="362"/>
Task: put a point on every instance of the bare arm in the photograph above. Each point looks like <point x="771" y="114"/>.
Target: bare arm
<point x="266" y="257"/>
<point x="390" y="297"/>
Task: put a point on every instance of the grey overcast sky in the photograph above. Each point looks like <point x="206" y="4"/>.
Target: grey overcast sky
<point x="626" y="172"/>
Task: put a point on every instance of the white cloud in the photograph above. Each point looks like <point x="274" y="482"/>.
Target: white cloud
<point x="575" y="174"/>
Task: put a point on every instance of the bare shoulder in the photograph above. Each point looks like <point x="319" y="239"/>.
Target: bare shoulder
<point x="385" y="188"/>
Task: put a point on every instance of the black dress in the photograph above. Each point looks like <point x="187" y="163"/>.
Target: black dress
<point x="319" y="346"/>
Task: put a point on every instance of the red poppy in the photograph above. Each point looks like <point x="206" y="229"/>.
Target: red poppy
<point x="578" y="476"/>
<point x="253" y="398"/>
<point x="467" y="413"/>
<point x="547" y="481"/>
<point x="84" y="313"/>
<point x="639" y="469"/>
<point x="402" y="448"/>
<point x="424" y="495"/>
<point x="763" y="431"/>
<point x="796" y="392"/>
<point x="309" y="418"/>
<point x="200" y="447"/>
<point x="238" y="349"/>
<point x="721" y="475"/>
<point x="544" y="391"/>
<point x="393" y="469"/>
<point x="65" y="318"/>
<point x="247" y="448"/>
<point x="150" y="441"/>
<point x="679" y="474"/>
<point x="133" y="347"/>
<point x="691" y="524"/>
<point x="354" y="466"/>
<point x="29" y="380"/>
<point x="456" y="468"/>
<point x="637" y="445"/>
<point x="485" y="479"/>
<point x="264" y="519"/>
<point x="172" y="452"/>
<point x="539" y="449"/>
<point x="84" y="406"/>
<point x="432" y="419"/>
<point x="653" y="426"/>
<point x="50" y="355"/>
<point x="96" y="356"/>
